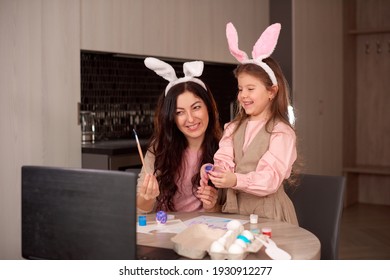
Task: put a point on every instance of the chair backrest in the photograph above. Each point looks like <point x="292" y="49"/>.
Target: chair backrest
<point x="318" y="202"/>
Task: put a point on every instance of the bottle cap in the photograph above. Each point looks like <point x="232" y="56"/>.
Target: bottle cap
<point x="208" y="167"/>
<point x="253" y="218"/>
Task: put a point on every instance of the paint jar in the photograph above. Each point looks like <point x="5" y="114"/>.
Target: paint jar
<point x="142" y="221"/>
<point x="253" y="218"/>
<point x="267" y="231"/>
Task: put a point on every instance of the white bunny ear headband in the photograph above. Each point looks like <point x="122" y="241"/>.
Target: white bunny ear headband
<point x="263" y="48"/>
<point x="191" y="70"/>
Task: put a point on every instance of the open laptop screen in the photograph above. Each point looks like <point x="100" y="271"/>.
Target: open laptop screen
<point x="78" y="213"/>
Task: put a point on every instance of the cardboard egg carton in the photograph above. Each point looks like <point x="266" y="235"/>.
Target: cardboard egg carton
<point x="253" y="247"/>
<point x="195" y="242"/>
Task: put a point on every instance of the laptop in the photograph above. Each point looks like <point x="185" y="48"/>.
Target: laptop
<point x="77" y="214"/>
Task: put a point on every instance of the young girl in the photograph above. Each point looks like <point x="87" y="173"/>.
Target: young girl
<point x="258" y="148"/>
<point x="186" y="135"/>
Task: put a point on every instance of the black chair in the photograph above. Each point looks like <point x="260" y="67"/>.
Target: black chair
<point x="318" y="202"/>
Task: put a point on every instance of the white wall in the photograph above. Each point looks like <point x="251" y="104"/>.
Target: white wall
<point x="39" y="91"/>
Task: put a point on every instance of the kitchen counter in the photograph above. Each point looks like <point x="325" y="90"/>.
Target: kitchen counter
<point x="113" y="154"/>
<point x="114" y="147"/>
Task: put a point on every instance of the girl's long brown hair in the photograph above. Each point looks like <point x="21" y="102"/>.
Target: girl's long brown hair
<point x="279" y="105"/>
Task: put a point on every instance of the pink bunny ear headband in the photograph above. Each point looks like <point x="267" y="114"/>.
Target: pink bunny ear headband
<point x="191" y="70"/>
<point x="263" y="48"/>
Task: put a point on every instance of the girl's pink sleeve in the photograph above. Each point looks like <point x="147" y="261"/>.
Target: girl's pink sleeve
<point x="274" y="166"/>
<point x="224" y="157"/>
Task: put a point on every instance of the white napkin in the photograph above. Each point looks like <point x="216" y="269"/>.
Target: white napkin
<point x="171" y="226"/>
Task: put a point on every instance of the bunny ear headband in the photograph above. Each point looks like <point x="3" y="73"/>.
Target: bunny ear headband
<point x="263" y="48"/>
<point x="191" y="70"/>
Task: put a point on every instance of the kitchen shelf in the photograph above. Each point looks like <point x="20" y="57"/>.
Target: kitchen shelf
<point x="365" y="74"/>
<point x="366" y="169"/>
<point x="368" y="31"/>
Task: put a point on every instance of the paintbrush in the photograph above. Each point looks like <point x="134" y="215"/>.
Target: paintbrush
<point x="139" y="148"/>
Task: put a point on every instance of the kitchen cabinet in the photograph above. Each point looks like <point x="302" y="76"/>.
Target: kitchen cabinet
<point x="176" y="29"/>
<point x="113" y="155"/>
<point x="366" y="156"/>
<point x="317" y="84"/>
<point x="107" y="162"/>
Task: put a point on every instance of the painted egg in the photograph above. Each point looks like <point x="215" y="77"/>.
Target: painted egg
<point x="161" y="217"/>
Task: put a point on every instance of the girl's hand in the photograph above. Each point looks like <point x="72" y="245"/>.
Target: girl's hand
<point x="208" y="195"/>
<point x="222" y="178"/>
<point x="149" y="189"/>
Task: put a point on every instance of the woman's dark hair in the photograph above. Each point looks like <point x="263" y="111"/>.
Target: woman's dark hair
<point x="168" y="143"/>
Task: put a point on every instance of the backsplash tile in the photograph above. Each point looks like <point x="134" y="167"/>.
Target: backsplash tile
<point x="123" y="93"/>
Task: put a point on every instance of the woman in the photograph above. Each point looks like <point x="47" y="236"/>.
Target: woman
<point x="186" y="135"/>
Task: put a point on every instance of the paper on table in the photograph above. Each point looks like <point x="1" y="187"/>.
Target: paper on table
<point x="272" y="250"/>
<point x="171" y="226"/>
<point x="212" y="221"/>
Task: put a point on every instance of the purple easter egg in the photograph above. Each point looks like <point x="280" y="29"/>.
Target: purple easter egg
<point x="161" y="217"/>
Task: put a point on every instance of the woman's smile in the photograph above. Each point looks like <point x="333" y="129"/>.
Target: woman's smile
<point x="193" y="127"/>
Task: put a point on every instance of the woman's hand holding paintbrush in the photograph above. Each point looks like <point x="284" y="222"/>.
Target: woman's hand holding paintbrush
<point x="149" y="189"/>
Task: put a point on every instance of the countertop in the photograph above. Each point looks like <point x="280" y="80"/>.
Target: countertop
<point x="114" y="147"/>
